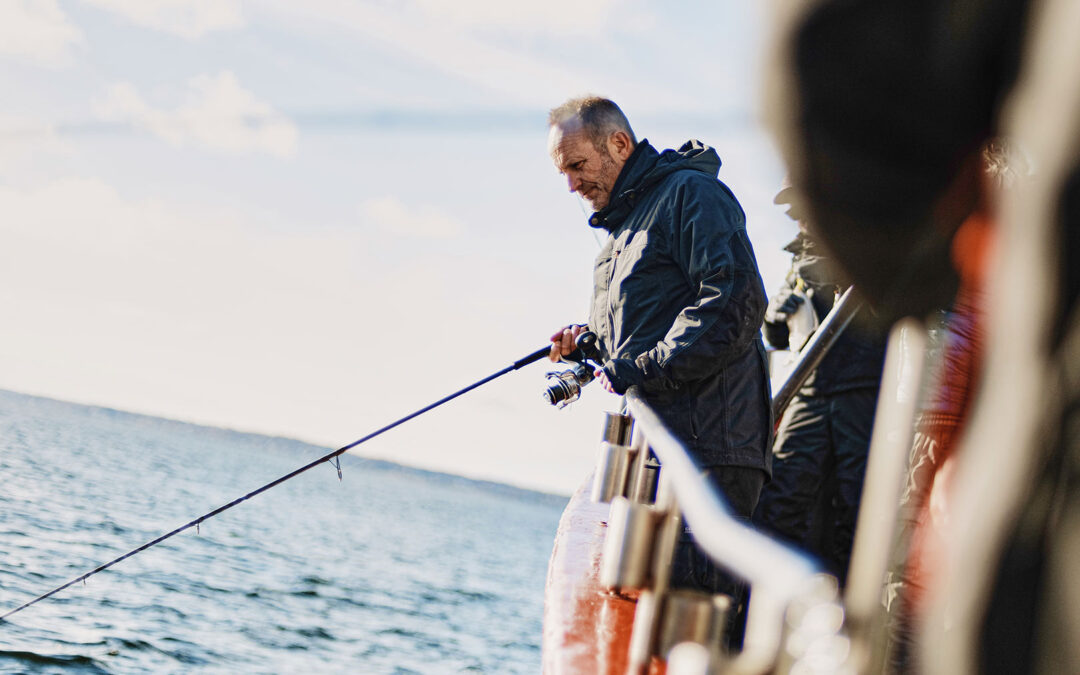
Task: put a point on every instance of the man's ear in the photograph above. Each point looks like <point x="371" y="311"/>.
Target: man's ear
<point x="620" y="146"/>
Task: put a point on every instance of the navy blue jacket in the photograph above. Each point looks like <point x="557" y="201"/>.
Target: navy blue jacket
<point x="678" y="304"/>
<point x="856" y="359"/>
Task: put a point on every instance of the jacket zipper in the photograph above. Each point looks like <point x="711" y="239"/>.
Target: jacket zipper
<point x="610" y="304"/>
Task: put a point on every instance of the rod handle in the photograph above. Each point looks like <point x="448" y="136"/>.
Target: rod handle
<point x="532" y="358"/>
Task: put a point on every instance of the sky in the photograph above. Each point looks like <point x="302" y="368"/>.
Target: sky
<point x="310" y="219"/>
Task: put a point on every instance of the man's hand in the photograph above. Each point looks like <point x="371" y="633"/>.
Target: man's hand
<point x="783" y="305"/>
<point x="602" y="378"/>
<point x="562" y="342"/>
<point x="618" y="375"/>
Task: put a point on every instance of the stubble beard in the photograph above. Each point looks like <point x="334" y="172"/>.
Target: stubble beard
<point x="606" y="180"/>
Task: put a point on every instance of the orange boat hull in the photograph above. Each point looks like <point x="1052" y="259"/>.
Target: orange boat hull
<point x="586" y="627"/>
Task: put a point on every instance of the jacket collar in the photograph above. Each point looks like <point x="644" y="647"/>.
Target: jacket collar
<point x="627" y="187"/>
<point x="643" y="170"/>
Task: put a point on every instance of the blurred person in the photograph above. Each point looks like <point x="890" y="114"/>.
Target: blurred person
<point x="677" y="304"/>
<point x="925" y="503"/>
<point x="819" y="456"/>
<point x="892" y="174"/>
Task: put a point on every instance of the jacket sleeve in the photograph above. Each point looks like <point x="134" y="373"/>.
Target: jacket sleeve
<point x="776" y="331"/>
<point x="778" y="311"/>
<point x="708" y="242"/>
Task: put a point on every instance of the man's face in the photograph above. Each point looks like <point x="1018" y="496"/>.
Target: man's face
<point x="589" y="172"/>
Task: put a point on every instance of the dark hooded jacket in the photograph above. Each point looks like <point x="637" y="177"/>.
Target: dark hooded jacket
<point x="856" y="358"/>
<point x="678" y="304"/>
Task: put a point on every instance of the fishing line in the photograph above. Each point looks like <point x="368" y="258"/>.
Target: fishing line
<point x="524" y="361"/>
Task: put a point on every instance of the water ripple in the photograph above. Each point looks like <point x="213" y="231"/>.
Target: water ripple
<point x="294" y="581"/>
<point x="40" y="662"/>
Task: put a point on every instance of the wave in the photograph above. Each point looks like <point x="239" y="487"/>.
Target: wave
<point x="76" y="662"/>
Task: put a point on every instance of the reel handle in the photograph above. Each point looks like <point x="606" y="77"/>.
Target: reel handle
<point x="587" y="349"/>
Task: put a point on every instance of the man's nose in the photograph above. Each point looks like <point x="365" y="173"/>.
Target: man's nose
<point x="573" y="182"/>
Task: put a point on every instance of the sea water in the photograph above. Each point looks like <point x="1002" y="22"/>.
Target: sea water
<point x="392" y="570"/>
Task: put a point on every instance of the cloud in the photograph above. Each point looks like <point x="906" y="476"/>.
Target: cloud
<point x="37" y="31"/>
<point x="163" y="306"/>
<point x="81" y="218"/>
<point x="392" y="215"/>
<point x="25" y="140"/>
<point x="531" y="53"/>
<point x="441" y="45"/>
<point x="219" y="114"/>
<point x="190" y="19"/>
<point x="557" y="17"/>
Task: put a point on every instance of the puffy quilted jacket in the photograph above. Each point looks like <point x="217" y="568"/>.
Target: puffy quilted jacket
<point x="678" y="304"/>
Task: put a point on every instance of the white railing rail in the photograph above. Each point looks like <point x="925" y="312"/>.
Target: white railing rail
<point x="780" y="576"/>
<point x="777" y="574"/>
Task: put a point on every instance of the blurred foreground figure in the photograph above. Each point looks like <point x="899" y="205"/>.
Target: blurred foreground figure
<point x="881" y="108"/>
<point x="945" y="412"/>
<point x="819" y="457"/>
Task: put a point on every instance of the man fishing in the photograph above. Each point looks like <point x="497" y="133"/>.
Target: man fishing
<point x="677" y="303"/>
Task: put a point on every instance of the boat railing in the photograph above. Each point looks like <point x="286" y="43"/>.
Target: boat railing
<point x="795" y="613"/>
<point x="777" y="574"/>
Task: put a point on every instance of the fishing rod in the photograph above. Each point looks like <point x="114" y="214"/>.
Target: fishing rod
<point x="520" y="363"/>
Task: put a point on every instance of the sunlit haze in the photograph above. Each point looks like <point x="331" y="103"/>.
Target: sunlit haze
<point x="311" y="218"/>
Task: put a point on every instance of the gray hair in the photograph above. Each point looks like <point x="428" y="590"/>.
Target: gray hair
<point x="599" y="117"/>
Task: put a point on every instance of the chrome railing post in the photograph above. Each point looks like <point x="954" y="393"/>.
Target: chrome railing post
<point x="792" y="617"/>
<point x="776" y="573"/>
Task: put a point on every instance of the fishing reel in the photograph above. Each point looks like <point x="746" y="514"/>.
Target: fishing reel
<point x="564" y="386"/>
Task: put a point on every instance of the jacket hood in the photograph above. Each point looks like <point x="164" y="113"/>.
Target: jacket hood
<point x="646" y="168"/>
